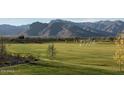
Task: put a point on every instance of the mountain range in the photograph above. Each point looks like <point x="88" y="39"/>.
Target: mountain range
<point x="65" y="29"/>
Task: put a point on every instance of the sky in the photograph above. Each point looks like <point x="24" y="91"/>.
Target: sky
<point x="24" y="21"/>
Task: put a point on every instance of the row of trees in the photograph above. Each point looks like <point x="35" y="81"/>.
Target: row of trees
<point x="22" y="39"/>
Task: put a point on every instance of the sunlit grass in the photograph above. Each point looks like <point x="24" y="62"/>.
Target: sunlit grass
<point x="71" y="58"/>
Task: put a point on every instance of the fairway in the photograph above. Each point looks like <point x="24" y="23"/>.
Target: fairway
<point x="71" y="59"/>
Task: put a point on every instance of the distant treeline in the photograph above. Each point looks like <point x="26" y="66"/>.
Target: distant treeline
<point x="22" y="39"/>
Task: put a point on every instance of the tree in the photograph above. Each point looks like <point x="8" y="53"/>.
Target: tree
<point x="51" y="50"/>
<point x="2" y="47"/>
<point x="119" y="54"/>
<point x="21" y="37"/>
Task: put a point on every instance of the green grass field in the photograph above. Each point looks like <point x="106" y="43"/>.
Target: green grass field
<point x="71" y="59"/>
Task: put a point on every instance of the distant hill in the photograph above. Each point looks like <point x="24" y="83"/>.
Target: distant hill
<point x="36" y="28"/>
<point x="65" y="29"/>
<point x="10" y="30"/>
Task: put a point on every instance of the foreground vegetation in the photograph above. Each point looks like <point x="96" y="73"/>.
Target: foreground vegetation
<point x="71" y="58"/>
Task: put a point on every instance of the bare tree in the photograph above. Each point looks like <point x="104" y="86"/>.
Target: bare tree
<point x="2" y="47"/>
<point x="51" y="50"/>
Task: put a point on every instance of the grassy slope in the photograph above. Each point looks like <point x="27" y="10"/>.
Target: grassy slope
<point x="71" y="59"/>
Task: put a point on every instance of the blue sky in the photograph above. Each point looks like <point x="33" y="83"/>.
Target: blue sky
<point x="23" y="21"/>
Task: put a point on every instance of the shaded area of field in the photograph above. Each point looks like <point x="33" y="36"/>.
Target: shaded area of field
<point x="71" y="58"/>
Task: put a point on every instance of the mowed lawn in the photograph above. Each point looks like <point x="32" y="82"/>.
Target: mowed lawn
<point x="71" y="59"/>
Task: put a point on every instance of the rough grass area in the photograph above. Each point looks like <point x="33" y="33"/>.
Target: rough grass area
<point x="71" y="59"/>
